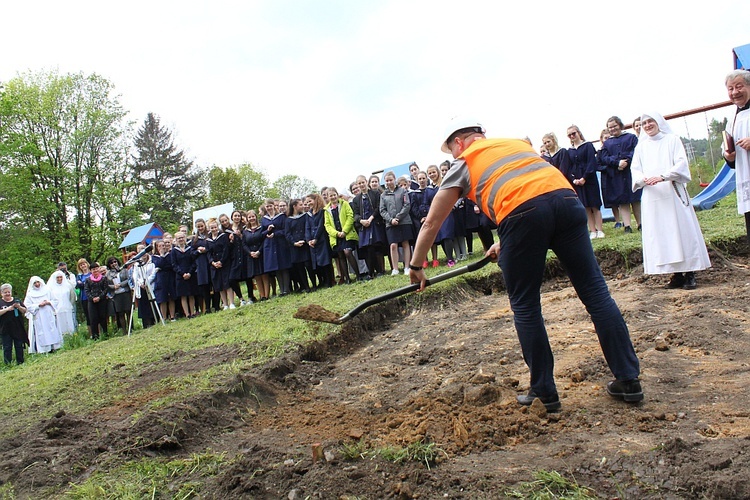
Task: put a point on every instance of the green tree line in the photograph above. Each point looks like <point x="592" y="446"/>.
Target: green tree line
<point x="75" y="174"/>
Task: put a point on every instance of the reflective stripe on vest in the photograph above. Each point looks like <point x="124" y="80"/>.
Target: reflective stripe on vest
<point x="500" y="182"/>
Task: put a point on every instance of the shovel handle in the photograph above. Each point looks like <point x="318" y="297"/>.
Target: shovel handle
<point x="414" y="287"/>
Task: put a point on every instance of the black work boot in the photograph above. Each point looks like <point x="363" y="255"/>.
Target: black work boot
<point x="551" y="403"/>
<point x="628" y="390"/>
<point x="690" y="283"/>
<point x="677" y="281"/>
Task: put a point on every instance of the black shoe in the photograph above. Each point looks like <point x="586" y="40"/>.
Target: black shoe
<point x="551" y="403"/>
<point x="690" y="283"/>
<point x="640" y="227"/>
<point x="628" y="229"/>
<point x="676" y="281"/>
<point x="627" y="390"/>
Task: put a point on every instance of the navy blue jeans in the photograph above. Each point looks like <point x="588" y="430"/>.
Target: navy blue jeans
<point x="557" y="221"/>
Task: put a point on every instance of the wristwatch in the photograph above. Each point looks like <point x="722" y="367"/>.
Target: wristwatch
<point x="415" y="268"/>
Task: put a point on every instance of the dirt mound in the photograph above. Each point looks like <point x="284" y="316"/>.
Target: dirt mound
<point x="444" y="371"/>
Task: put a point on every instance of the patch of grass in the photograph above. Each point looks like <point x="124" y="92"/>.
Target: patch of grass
<point x="415" y="452"/>
<point x="420" y="451"/>
<point x="181" y="388"/>
<point x="355" y="451"/>
<point x="153" y="478"/>
<point x="7" y="492"/>
<point x="551" y="485"/>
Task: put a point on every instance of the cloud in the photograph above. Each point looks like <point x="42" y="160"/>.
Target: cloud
<point x="328" y="90"/>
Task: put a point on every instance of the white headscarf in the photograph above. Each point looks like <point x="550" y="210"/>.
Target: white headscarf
<point x="664" y="127"/>
<point x="36" y="293"/>
<point x="52" y="281"/>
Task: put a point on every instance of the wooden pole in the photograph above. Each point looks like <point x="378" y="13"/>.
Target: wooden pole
<point x="688" y="112"/>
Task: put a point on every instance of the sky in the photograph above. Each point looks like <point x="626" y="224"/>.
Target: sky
<point x="331" y="89"/>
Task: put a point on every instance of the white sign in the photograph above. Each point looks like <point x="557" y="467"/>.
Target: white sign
<point x="212" y="213"/>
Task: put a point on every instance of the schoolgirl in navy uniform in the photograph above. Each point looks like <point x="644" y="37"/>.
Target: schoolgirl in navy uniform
<point x="317" y="240"/>
<point x="276" y="255"/>
<point x="183" y="264"/>
<point x="370" y="227"/>
<point x="218" y="258"/>
<point x="445" y="235"/>
<point x="233" y="267"/>
<point x="164" y="280"/>
<point x="420" y="205"/>
<point x="252" y="243"/>
<point x="238" y="269"/>
<point x="199" y="247"/>
<point x="300" y="251"/>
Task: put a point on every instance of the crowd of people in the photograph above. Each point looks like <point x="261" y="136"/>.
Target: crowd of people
<point x="283" y="247"/>
<point x="295" y="246"/>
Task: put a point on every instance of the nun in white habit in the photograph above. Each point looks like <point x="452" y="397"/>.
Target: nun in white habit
<point x="44" y="336"/>
<point x="62" y="295"/>
<point x="672" y="238"/>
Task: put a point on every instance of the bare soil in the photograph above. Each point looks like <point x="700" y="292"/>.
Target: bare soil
<point x="446" y="370"/>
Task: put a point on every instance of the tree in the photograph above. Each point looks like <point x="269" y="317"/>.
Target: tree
<point x="61" y="138"/>
<point x="168" y="185"/>
<point x="244" y="186"/>
<point x="288" y="187"/>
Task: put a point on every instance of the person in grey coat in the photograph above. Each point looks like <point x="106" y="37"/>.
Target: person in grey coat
<point x="394" y="208"/>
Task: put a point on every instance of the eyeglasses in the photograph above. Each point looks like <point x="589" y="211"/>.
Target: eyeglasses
<point x="572" y="134"/>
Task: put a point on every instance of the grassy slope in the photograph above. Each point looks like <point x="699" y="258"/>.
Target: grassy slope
<point x="95" y="375"/>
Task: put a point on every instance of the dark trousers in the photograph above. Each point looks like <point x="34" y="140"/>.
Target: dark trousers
<point x="325" y="276"/>
<point x="85" y="307"/>
<point x="485" y="236"/>
<point x="250" y="294"/>
<point x="298" y="275"/>
<point x="557" y="221"/>
<point x="372" y="259"/>
<point x="285" y="281"/>
<point x="237" y="290"/>
<point x="98" y="317"/>
<point x="8" y="344"/>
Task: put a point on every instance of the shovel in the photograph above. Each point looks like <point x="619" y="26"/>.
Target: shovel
<point x="317" y="313"/>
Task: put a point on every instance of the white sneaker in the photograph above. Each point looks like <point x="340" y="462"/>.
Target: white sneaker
<point x="406" y="271"/>
<point x="225" y="308"/>
<point x="592" y="235"/>
<point x="394" y="272"/>
<point x="232" y="306"/>
<point x="600" y="234"/>
<point x="243" y="302"/>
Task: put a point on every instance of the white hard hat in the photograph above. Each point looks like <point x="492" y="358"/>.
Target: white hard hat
<point x="459" y="123"/>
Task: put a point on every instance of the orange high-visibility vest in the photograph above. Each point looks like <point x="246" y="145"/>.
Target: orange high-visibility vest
<point x="505" y="173"/>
